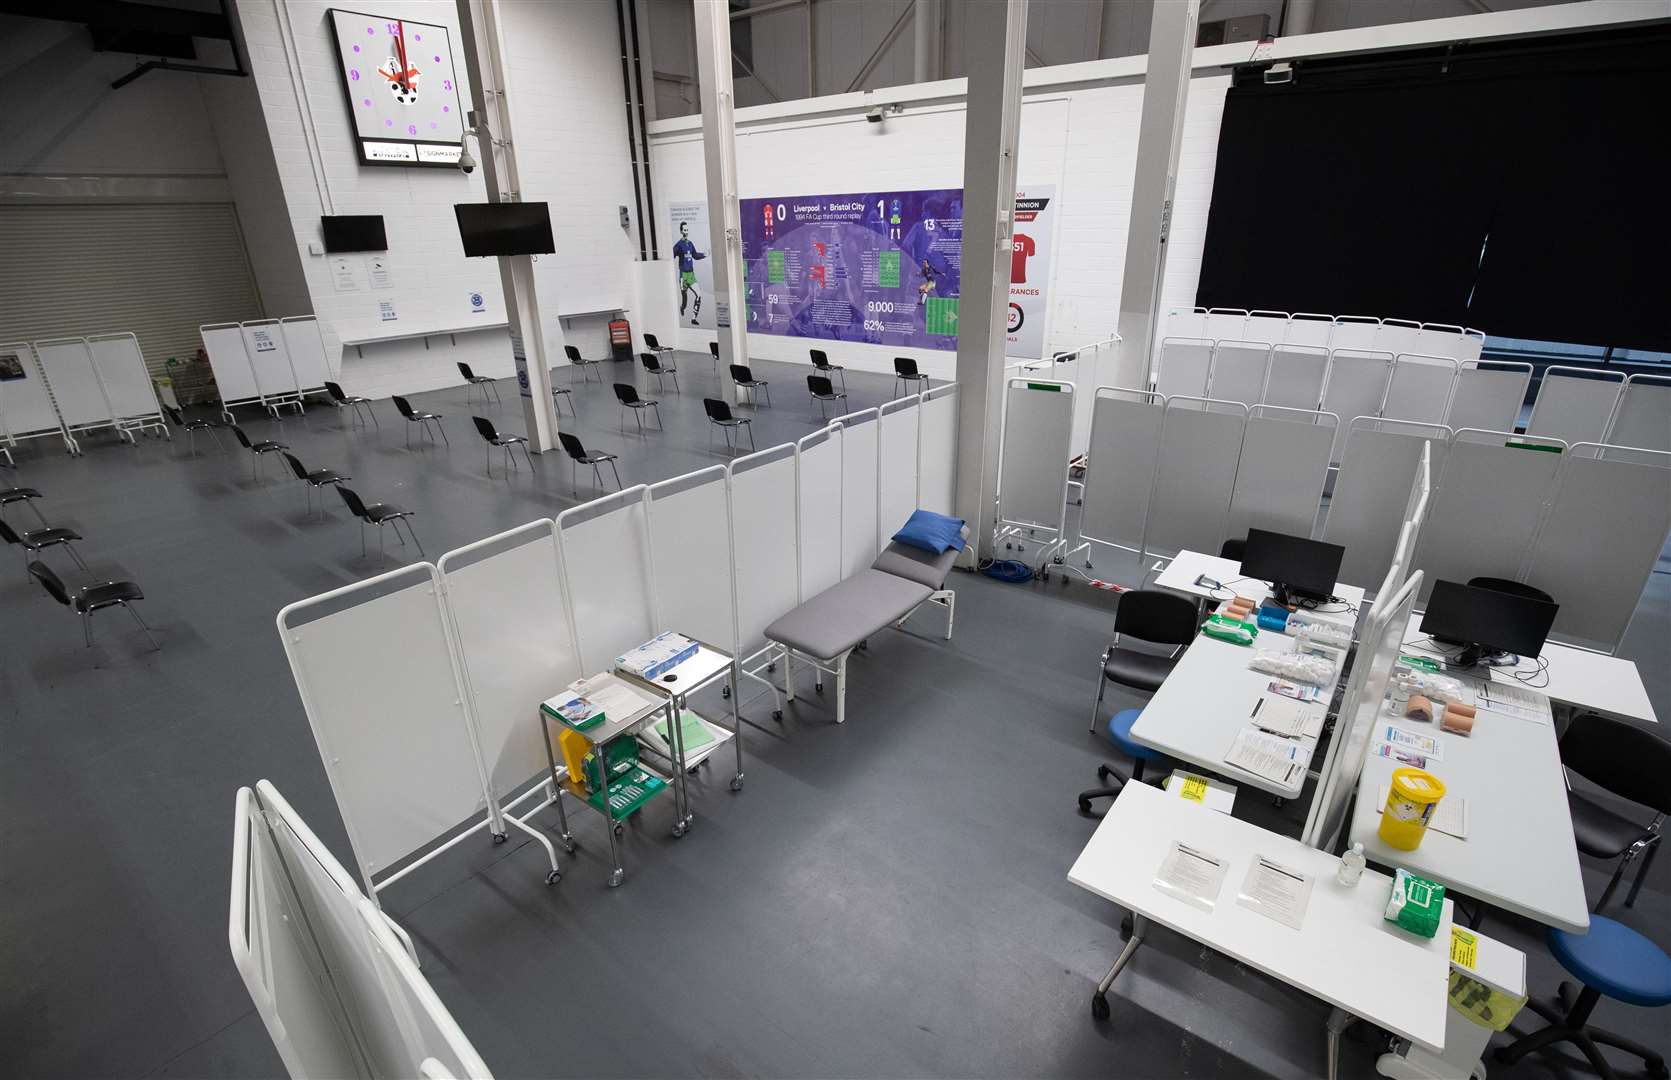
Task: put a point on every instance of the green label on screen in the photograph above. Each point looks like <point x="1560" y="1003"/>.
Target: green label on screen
<point x="774" y="268"/>
<point x="940" y="315"/>
<point x="887" y="269"/>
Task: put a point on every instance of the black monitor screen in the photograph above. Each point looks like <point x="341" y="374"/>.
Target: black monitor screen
<point x="1308" y="567"/>
<point x="354" y="232"/>
<point x="1498" y="621"/>
<point x="507" y="228"/>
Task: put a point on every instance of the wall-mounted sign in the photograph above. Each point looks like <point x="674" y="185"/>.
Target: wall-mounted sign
<point x="478" y="304"/>
<point x="378" y="267"/>
<point x="401" y="88"/>
<point x="343" y="276"/>
<point x="264" y="340"/>
<point x="386" y="309"/>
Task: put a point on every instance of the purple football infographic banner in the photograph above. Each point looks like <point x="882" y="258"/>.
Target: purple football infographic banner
<point x="880" y="267"/>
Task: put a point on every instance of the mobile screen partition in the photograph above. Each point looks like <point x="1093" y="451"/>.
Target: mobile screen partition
<point x="1420" y="388"/>
<point x="26" y="408"/>
<point x="1125" y="449"/>
<point x="67" y="364"/>
<point x="1488" y="395"/>
<point x="1575" y="405"/>
<point x="305" y="346"/>
<point x="818" y="489"/>
<point x="764" y="553"/>
<point x="1201" y="442"/>
<point x="332" y="979"/>
<point x="229" y="359"/>
<point x="937" y="450"/>
<point x="860" y="518"/>
<point x="1033" y="453"/>
<point x="1371" y="493"/>
<point x="269" y="357"/>
<point x="1281" y="470"/>
<point x="127" y="383"/>
<point x="605" y="552"/>
<point x="896" y="465"/>
<point x="1643" y="416"/>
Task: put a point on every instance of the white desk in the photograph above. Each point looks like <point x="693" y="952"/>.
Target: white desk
<point x="1520" y="854"/>
<point x="1589" y="680"/>
<point x="1208" y="697"/>
<point x="1345" y="953"/>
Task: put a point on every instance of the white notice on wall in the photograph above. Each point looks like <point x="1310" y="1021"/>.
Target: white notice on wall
<point x="1191" y="875"/>
<point x="378" y="268"/>
<point x="722" y="313"/>
<point x="343" y="276"/>
<point x="386" y="309"/>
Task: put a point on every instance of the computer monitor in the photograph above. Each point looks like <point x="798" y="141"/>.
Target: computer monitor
<point x="1487" y="621"/>
<point x="1298" y="569"/>
<point x="505" y="228"/>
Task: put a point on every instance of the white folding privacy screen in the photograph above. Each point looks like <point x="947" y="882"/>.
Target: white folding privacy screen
<point x="1280" y="473"/>
<point x="422" y="685"/>
<point x="266" y="362"/>
<point x="1200" y="443"/>
<point x="1489" y="395"/>
<point x="66" y="386"/>
<point x="1124" y="450"/>
<point x="1643" y="416"/>
<point x="1574" y="404"/>
<point x="338" y="991"/>
<point x="1370" y="494"/>
<point x="1033" y="454"/>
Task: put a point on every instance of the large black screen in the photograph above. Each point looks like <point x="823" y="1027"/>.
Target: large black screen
<point x="354" y="232"/>
<point x="506" y="228"/>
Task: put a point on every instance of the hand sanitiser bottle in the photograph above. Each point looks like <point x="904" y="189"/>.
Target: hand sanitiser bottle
<point x="1351" y="866"/>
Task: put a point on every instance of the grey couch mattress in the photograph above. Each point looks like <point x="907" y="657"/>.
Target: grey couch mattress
<point x="923" y="567"/>
<point x="845" y="614"/>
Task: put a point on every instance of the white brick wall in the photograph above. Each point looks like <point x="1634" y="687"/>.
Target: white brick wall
<point x="1082" y="140"/>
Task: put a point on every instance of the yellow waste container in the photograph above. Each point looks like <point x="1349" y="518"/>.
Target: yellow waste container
<point x="1414" y="796"/>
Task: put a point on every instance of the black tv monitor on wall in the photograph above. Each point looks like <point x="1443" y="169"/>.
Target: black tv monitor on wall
<point x="354" y="232"/>
<point x="506" y="228"/>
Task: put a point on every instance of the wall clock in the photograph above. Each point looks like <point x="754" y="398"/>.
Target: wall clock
<point x="402" y="89"/>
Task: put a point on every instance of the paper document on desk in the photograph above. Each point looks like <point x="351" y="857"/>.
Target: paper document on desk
<point x="617" y="698"/>
<point x="1191" y="875"/>
<point x="1271" y="756"/>
<point x="1277" y="892"/>
<point x="1514" y="701"/>
<point x="1213" y="794"/>
<point x="1287" y="717"/>
<point x="1449" y="817"/>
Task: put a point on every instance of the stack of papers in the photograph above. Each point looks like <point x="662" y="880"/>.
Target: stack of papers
<point x="1514" y="701"/>
<point x="1213" y="794"/>
<point x="1271" y="756"/>
<point x="1287" y="717"/>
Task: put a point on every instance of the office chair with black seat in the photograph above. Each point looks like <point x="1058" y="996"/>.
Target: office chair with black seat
<point x="92" y="598"/>
<point x="258" y="449"/>
<point x="713" y="351"/>
<point x="719" y="415"/>
<point x="413" y="416"/>
<point x="378" y="514"/>
<point x="905" y="372"/>
<point x="478" y="382"/>
<point x="744" y="378"/>
<point x="654" y="366"/>
<point x="823" y="390"/>
<point x="1158" y="618"/>
<point x="578" y="456"/>
<point x="24" y="495"/>
<point x="35" y="541"/>
<point x="628" y="397"/>
<point x="352" y="401"/>
<point x="821" y="362"/>
<point x="582" y="363"/>
<point x="1232" y="549"/>
<point x="1632" y="763"/>
<point x="314" y="479"/>
<point x="192" y="427"/>
<point x="491" y="436"/>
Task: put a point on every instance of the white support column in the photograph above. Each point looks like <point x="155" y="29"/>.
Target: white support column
<point x="481" y="27"/>
<point x="995" y="42"/>
<point x="1165" y="92"/>
<point x="719" y="144"/>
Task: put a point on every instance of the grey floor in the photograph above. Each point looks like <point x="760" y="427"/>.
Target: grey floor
<point x="884" y="899"/>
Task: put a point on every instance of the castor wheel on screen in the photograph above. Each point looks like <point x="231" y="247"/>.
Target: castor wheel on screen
<point x="736" y="783"/>
<point x="1127" y="927"/>
<point x="619" y="828"/>
<point x="725" y="692"/>
<point x="1099" y="1006"/>
<point x="1084" y="805"/>
<point x="499" y="838"/>
<point x="818" y="688"/>
<point x="777" y="714"/>
<point x="772" y="666"/>
<point x="553" y="877"/>
<point x="1058" y="560"/>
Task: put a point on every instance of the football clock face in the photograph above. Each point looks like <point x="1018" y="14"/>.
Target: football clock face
<point x="401" y="87"/>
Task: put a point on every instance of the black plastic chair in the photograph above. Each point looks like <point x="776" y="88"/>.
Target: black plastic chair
<point x="352" y="401"/>
<point x="92" y="598"/>
<point x="265" y="446"/>
<point x="1233" y="549"/>
<point x="823" y="390"/>
<point x="413" y="416"/>
<point x="719" y="415"/>
<point x="629" y="399"/>
<point x="578" y="456"/>
<point x="558" y="395"/>
<point x="478" y="382"/>
<point x="1629" y="762"/>
<point x="1502" y="585"/>
<point x="821" y="362"/>
<point x="313" y="478"/>
<point x="745" y="380"/>
<point x="658" y="369"/>
<point x="1156" y="617"/>
<point x="491" y="436"/>
<point x="581" y="362"/>
<point x="192" y="427"/>
<point x="24" y="495"/>
<point x="661" y="351"/>
<point x="713" y="351"/>
<point x="378" y="514"/>
<point x="905" y="371"/>
<point x="35" y="541"/>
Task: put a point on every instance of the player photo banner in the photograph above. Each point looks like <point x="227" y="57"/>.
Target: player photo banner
<point x="1035" y="229"/>
<point x="693" y="273"/>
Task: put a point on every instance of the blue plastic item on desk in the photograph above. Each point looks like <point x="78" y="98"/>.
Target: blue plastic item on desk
<point x="1273" y="619"/>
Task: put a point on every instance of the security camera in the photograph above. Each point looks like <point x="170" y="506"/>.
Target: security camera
<point x="874" y="114"/>
<point x="1279" y="74"/>
<point x="465" y="161"/>
<point x="878" y="113"/>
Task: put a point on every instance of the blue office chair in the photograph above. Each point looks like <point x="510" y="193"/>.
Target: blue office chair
<point x="1612" y="960"/>
<point x="1157" y="617"/>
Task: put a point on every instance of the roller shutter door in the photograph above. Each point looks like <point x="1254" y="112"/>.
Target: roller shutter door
<point x="157" y="270"/>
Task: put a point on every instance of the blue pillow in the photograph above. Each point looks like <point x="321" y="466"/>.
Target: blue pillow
<point x="932" y="532"/>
